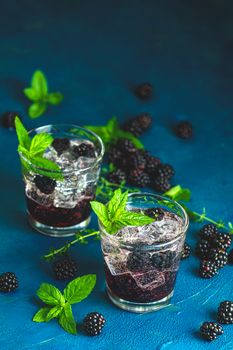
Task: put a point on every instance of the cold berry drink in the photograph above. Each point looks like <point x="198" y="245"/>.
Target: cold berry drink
<point x="59" y="207"/>
<point x="141" y="263"/>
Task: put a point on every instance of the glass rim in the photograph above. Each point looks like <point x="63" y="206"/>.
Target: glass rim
<point x="154" y="245"/>
<point x="97" y="160"/>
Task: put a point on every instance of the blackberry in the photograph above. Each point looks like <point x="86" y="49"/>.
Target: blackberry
<point x="61" y="145"/>
<point x="115" y="156"/>
<point x="125" y="145"/>
<point x="116" y="176"/>
<point x="8" y="282"/>
<point x="203" y="248"/>
<point x="230" y="257"/>
<point x="155" y="213"/>
<point x="160" y="184"/>
<point x="144" y="120"/>
<point x="210" y="330"/>
<point x="144" y="91"/>
<point x="184" y="130"/>
<point x="138" y="261"/>
<point x="165" y="170"/>
<point x="219" y="257"/>
<point x="208" y="269"/>
<point x="208" y="231"/>
<point x="8" y="119"/>
<point x="185" y="251"/>
<point x="225" y="312"/>
<point x="93" y="323"/>
<point x="65" y="268"/>
<point x="137" y="161"/>
<point x="138" y="178"/>
<point x="138" y="125"/>
<point x="152" y="164"/>
<point x="83" y="150"/>
<point x="163" y="260"/>
<point x="45" y="184"/>
<point x="222" y="240"/>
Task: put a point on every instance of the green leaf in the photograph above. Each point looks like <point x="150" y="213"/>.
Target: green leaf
<point x="53" y="313"/>
<point x="22" y="134"/>
<point x="41" y="315"/>
<point x="112" y="125"/>
<point x="54" y="98"/>
<point x="39" y="84"/>
<point x="37" y="109"/>
<point x="101" y="211"/>
<point x="67" y="321"/>
<point x="79" y="288"/>
<point x="40" y="143"/>
<point x="31" y="94"/>
<point x="117" y="204"/>
<point x="48" y="168"/>
<point x="130" y="218"/>
<point x="50" y="294"/>
<point x="178" y="193"/>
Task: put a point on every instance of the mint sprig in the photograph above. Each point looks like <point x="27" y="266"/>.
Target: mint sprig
<point x="111" y="133"/>
<point x="39" y="94"/>
<point x="114" y="215"/>
<point x="33" y="150"/>
<point x="58" y="305"/>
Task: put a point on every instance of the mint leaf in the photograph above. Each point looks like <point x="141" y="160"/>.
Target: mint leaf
<point x="117" y="204"/>
<point x="66" y="320"/>
<point x="37" y="109"/>
<point x="79" y="288"/>
<point x="39" y="144"/>
<point x="22" y="134"/>
<point x="31" y="94"/>
<point x="54" y="98"/>
<point x="39" y="84"/>
<point x="101" y="211"/>
<point x="53" y="313"/>
<point x="47" y="167"/>
<point x="130" y="218"/>
<point x="178" y="193"/>
<point x="41" y="315"/>
<point x="50" y="294"/>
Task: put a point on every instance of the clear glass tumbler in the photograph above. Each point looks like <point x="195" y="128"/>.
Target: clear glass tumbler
<point x="141" y="263"/>
<point x="61" y="207"/>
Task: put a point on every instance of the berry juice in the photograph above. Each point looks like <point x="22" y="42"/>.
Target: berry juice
<point x="141" y="263"/>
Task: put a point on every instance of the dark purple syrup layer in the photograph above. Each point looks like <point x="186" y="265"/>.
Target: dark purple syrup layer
<point x="59" y="217"/>
<point x="125" y="287"/>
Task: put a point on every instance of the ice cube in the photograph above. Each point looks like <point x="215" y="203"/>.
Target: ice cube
<point x="116" y="263"/>
<point x="34" y="193"/>
<point x="149" y="280"/>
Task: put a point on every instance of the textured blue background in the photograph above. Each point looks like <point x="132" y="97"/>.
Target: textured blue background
<point x="94" y="52"/>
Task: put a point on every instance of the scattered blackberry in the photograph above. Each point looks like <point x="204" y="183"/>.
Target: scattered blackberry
<point x="144" y="120"/>
<point x="93" y="323"/>
<point x="230" y="257"/>
<point x="138" y="178"/>
<point x="184" y="130"/>
<point x="225" y="312"/>
<point x="126" y="145"/>
<point x="185" y="251"/>
<point x="137" y="161"/>
<point x="116" y="176"/>
<point x="138" y="261"/>
<point x="203" y="248"/>
<point x="83" y="150"/>
<point x="152" y="164"/>
<point x="165" y="170"/>
<point x="65" y="268"/>
<point x="207" y="269"/>
<point x="222" y="240"/>
<point x="115" y="156"/>
<point x="210" y="330"/>
<point x="8" y="119"/>
<point x="61" y="145"/>
<point x="144" y="91"/>
<point x="163" y="260"/>
<point x="45" y="184"/>
<point x="160" y="184"/>
<point x="8" y="282"/>
<point x="155" y="213"/>
<point x="218" y="256"/>
<point x="138" y="125"/>
<point x="208" y="231"/>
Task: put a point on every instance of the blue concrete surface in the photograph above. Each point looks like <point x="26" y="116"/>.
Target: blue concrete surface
<point x="94" y="53"/>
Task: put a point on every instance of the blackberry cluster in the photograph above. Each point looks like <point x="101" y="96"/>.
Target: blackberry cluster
<point x="83" y="150"/>
<point x="186" y="251"/>
<point x="93" y="323"/>
<point x="155" y="213"/>
<point x="116" y="176"/>
<point x="65" y="268"/>
<point x="8" y="282"/>
<point x="61" y="145"/>
<point x="163" y="260"/>
<point x="212" y="250"/>
<point x="45" y="184"/>
<point x="184" y="129"/>
<point x="8" y="119"/>
<point x="210" y="330"/>
<point x="138" y="261"/>
<point x="225" y="312"/>
<point x="138" y="178"/>
<point x="137" y="126"/>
